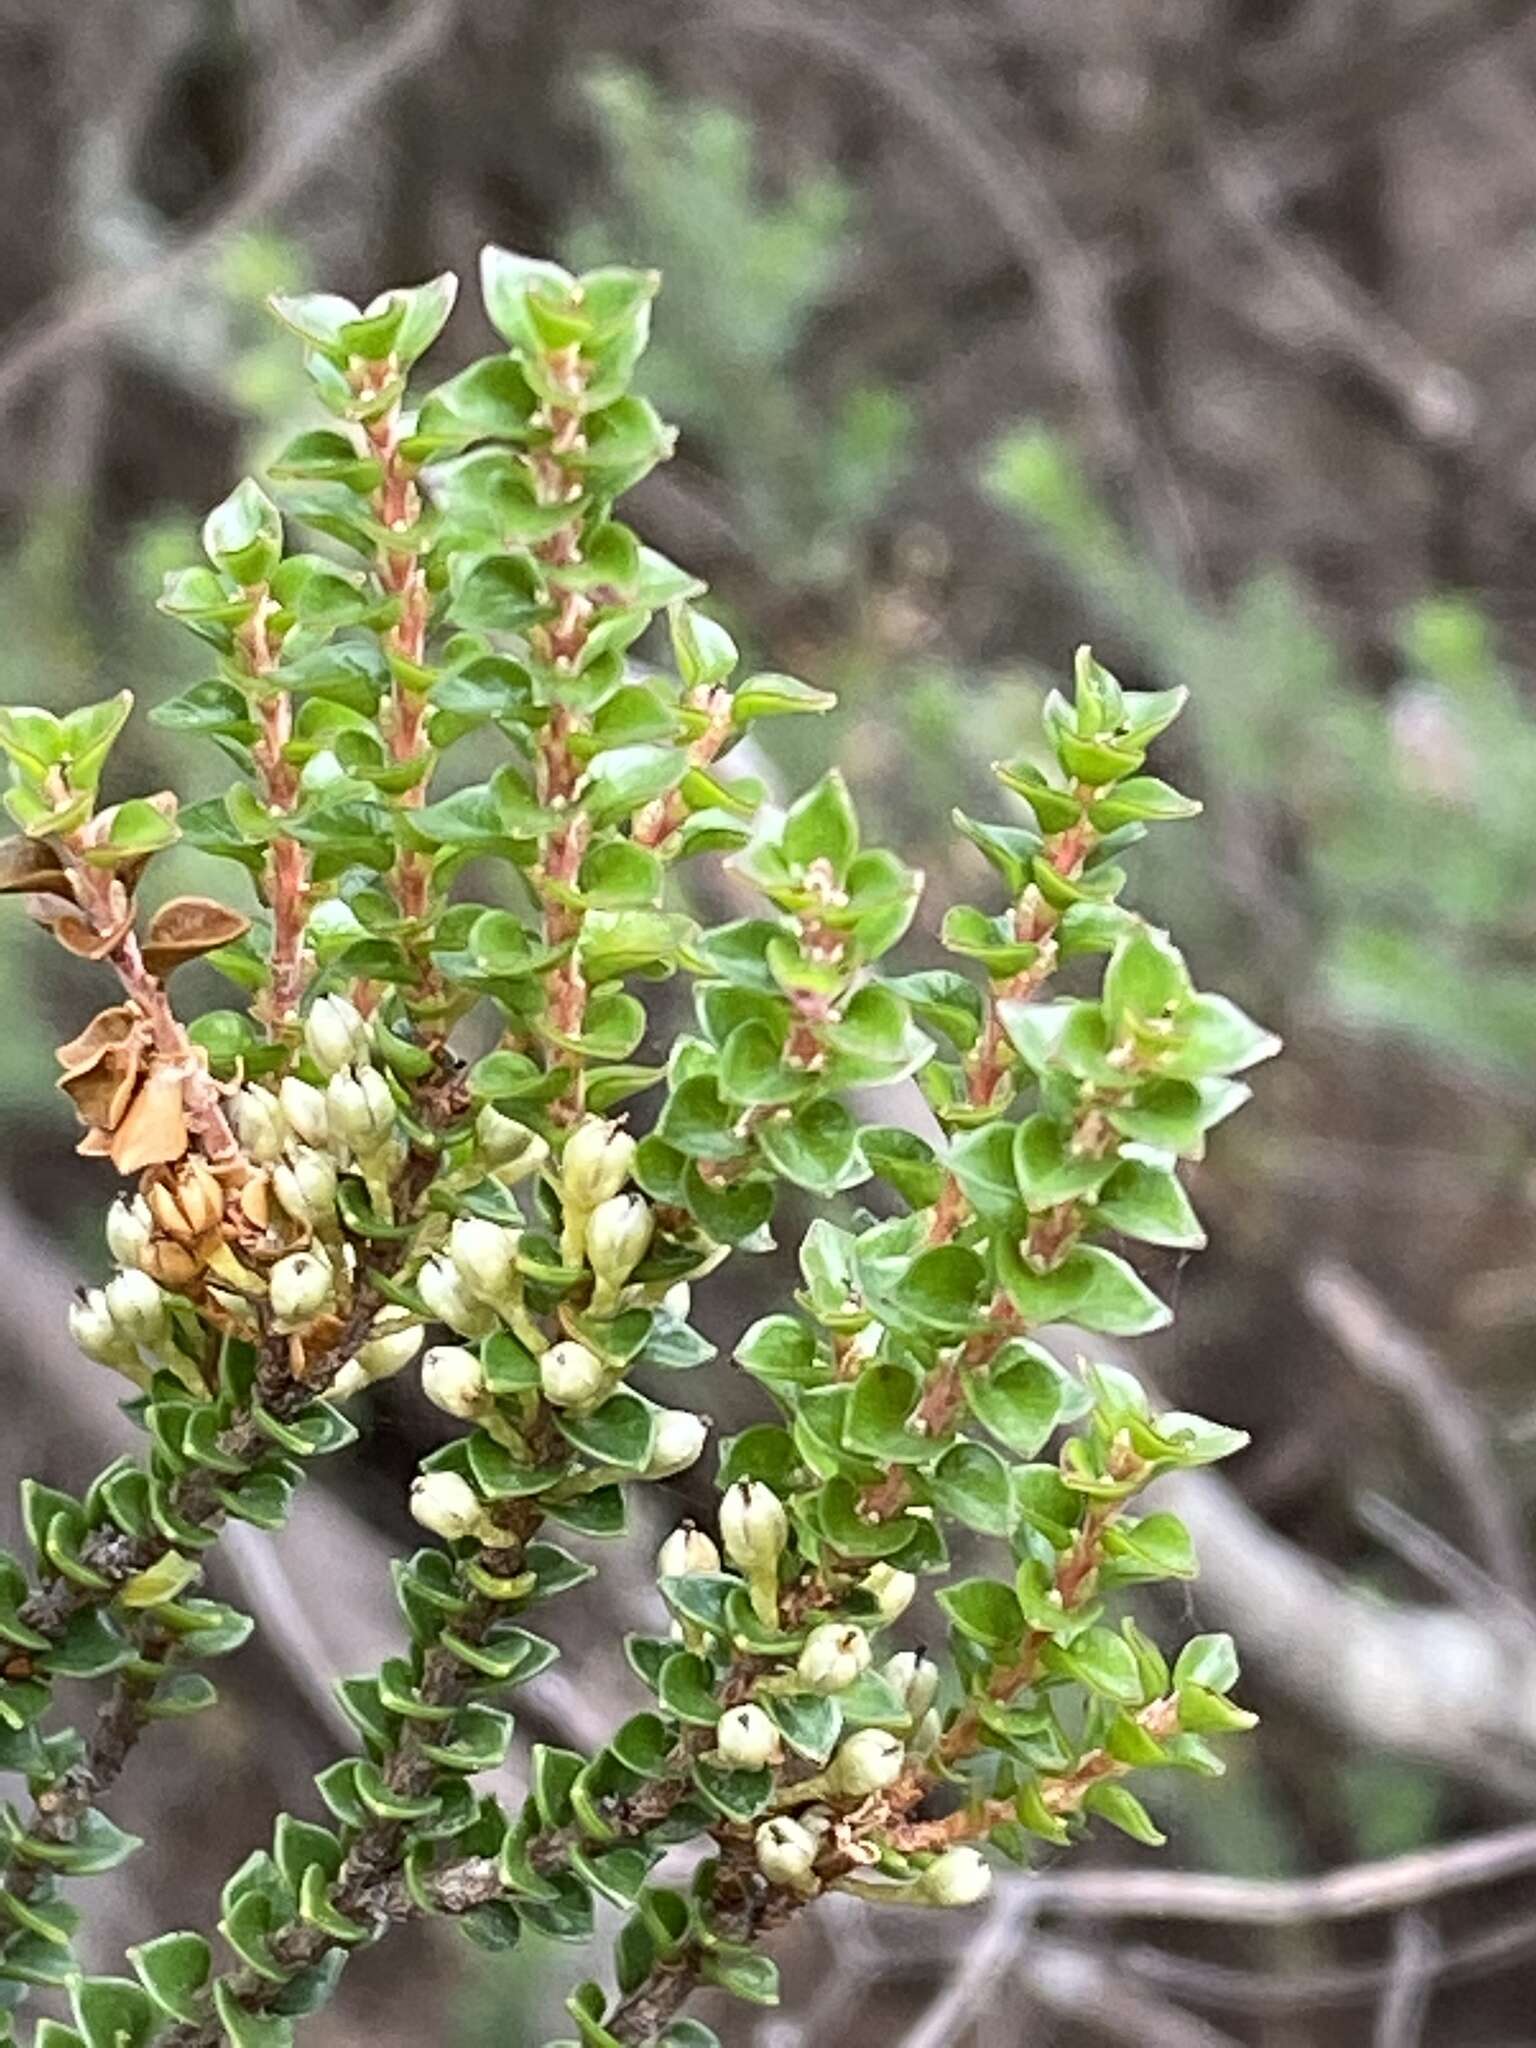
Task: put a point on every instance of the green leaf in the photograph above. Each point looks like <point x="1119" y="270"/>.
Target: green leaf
<point x="174" y="1970"/>
<point x="113" y="2012"/>
<point x="815" y="1147"/>
<point x="248" y="2029"/>
<point x="1149" y="1202"/>
<point x="1156" y="1547"/>
<point x="742" y="1972"/>
<point x="1209" y="1662"/>
<point x="809" y="1722"/>
<point x="625" y="779"/>
<point x="884" y="1397"/>
<point x="1048" y="1170"/>
<point x="1019" y="1398"/>
<point x="685" y="1686"/>
<point x="941" y="1289"/>
<point x="972" y="1483"/>
<point x="243" y="536"/>
<point x="1101" y="1660"/>
<point x="620" y="1433"/>
<point x="771" y="696"/>
<point x="1125" y="1811"/>
<point x="984" y="1610"/>
<point x="822" y="826"/>
<point x="1145" y="980"/>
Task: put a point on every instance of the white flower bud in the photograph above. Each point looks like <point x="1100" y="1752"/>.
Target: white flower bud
<point x="835" y="1654"/>
<point x="299" y="1287"/>
<point x="686" y="1550"/>
<point x="393" y="1342"/>
<point x="678" y="1300"/>
<point x="746" y="1739"/>
<point x="925" y="1736"/>
<point x="350" y="1380"/>
<point x="304" y="1108"/>
<point x="137" y="1306"/>
<point x="451" y="1302"/>
<point x="305" y="1185"/>
<point x="260" y="1124"/>
<point x="485" y="1255"/>
<point x="753" y="1525"/>
<point x="679" y="1440"/>
<point x="891" y="1590"/>
<point x="619" y="1233"/>
<point x="446" y="1504"/>
<point x="508" y="1147"/>
<point x="337" y="1035"/>
<point x="93" y="1329"/>
<point x="871" y="1760"/>
<point x="454" y="1380"/>
<point x="571" y="1376"/>
<point x="915" y="1678"/>
<point x="359" y="1108"/>
<point x="786" y="1852"/>
<point x="596" y="1161"/>
<point x="960" y="1877"/>
<point x="130" y="1227"/>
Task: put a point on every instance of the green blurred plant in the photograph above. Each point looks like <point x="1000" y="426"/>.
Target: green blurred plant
<point x="318" y="1177"/>
<point x="1346" y="780"/>
<point x="753" y="272"/>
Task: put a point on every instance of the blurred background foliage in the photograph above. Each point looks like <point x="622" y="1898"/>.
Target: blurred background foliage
<point x="1200" y="331"/>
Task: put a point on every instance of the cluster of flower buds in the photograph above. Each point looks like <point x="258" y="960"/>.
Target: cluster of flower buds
<point x="125" y="1325"/>
<point x="594" y="1166"/>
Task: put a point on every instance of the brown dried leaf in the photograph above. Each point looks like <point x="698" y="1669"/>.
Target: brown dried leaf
<point x="186" y="928"/>
<point x="27" y="865"/>
<point x="154" y="1130"/>
<point x="117" y="1025"/>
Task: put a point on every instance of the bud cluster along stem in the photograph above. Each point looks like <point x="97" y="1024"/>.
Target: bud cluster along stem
<point x="323" y="1193"/>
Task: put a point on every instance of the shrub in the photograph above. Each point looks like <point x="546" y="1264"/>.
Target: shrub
<point x="319" y="1177"/>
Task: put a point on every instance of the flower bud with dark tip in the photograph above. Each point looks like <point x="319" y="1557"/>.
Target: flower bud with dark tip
<point x="746" y="1739"/>
<point x="450" y="1301"/>
<point x="448" y="1505"/>
<point x="260" y="1124"/>
<point x="485" y="1256"/>
<point x="130" y="1227"/>
<point x="892" y="1591"/>
<point x="453" y="1379"/>
<point x="679" y="1440"/>
<point x="337" y="1035"/>
<point x="686" y="1550"/>
<point x="393" y="1341"/>
<point x="303" y="1107"/>
<point x="960" y="1877"/>
<point x="786" y="1852"/>
<point x="869" y="1761"/>
<point x="137" y="1306"/>
<point x="509" y="1148"/>
<point x="915" y="1678"/>
<point x="299" y="1288"/>
<point x="360" y="1108"/>
<point x="755" y="1529"/>
<point x="619" y="1233"/>
<point x="305" y="1186"/>
<point x="595" y="1163"/>
<point x="571" y="1376"/>
<point x="93" y="1328"/>
<point x="834" y="1655"/>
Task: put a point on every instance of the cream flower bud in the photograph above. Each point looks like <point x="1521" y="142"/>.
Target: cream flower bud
<point x="507" y="1146"/>
<point x="485" y="1256"/>
<point x="393" y="1342"/>
<point x="686" y="1550"/>
<point x="305" y="1185"/>
<point x="678" y="1300"/>
<point x="960" y="1877"/>
<point x="93" y="1329"/>
<point x="925" y="1736"/>
<point x="891" y="1590"/>
<point x="596" y="1161"/>
<point x="679" y="1440"/>
<point x="137" y="1306"/>
<point x="260" y="1124"/>
<point x="304" y="1108"/>
<point x="753" y="1525"/>
<point x="350" y="1380"/>
<point x="451" y="1302"/>
<point x="337" y="1035"/>
<point x="915" y="1678"/>
<point x="446" y="1504"/>
<point x="871" y="1760"/>
<point x="129" y="1229"/>
<point x="454" y="1380"/>
<point x="299" y="1287"/>
<point x="835" y="1654"/>
<point x="786" y="1852"/>
<point x="360" y="1108"/>
<point x="619" y="1233"/>
<point x="746" y="1739"/>
<point x="572" y="1376"/>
